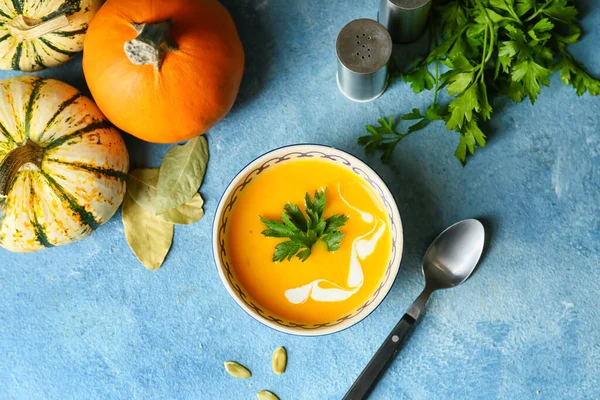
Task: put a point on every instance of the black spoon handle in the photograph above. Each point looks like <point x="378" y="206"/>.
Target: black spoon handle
<point x="386" y="353"/>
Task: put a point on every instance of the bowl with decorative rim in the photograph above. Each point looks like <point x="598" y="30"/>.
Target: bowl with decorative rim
<point x="252" y="171"/>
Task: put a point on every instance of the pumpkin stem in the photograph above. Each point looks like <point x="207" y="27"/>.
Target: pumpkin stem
<point x="151" y="44"/>
<point x="28" y="152"/>
<point x="25" y="28"/>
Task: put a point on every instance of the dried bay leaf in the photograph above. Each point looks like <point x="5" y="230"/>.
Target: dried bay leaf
<point x="142" y="187"/>
<point x="187" y="213"/>
<point x="266" y="395"/>
<point x="149" y="237"/>
<point x="237" y="370"/>
<point x="181" y="174"/>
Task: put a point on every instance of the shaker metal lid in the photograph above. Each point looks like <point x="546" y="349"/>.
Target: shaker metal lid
<point x="364" y="46"/>
<point x="409" y="4"/>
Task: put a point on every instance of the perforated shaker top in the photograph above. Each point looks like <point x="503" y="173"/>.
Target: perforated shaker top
<point x="364" y="46"/>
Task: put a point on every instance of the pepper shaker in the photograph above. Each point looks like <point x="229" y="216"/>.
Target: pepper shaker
<point x="404" y="19"/>
<point x="363" y="48"/>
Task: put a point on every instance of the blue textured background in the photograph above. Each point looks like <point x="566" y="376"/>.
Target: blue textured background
<point x="87" y="321"/>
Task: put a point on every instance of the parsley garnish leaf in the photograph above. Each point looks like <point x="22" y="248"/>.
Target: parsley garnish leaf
<point x="303" y="232"/>
<point x="333" y="240"/>
<point x="292" y="211"/>
<point x="278" y="229"/>
<point x="303" y="255"/>
<point x="285" y="250"/>
<point x="334" y="222"/>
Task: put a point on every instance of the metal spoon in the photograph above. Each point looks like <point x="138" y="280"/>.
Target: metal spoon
<point x="448" y="262"/>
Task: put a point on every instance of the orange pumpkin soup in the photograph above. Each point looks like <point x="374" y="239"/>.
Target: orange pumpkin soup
<point x="328" y="285"/>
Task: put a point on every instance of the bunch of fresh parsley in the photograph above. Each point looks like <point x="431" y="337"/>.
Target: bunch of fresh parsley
<point x="303" y="232"/>
<point x="492" y="48"/>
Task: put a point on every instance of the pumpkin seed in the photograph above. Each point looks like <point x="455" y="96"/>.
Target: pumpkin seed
<point x="149" y="237"/>
<point x="279" y="360"/>
<point x="181" y="174"/>
<point x="266" y="395"/>
<point x="237" y="370"/>
<point x="142" y="187"/>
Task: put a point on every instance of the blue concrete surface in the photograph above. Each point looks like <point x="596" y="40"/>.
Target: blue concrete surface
<point x="87" y="321"/>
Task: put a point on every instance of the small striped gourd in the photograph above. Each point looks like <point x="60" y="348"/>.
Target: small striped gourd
<point x="62" y="165"/>
<point x="36" y="34"/>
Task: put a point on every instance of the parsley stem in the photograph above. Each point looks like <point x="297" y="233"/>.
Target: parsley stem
<point x="515" y="17"/>
<point x="538" y="11"/>
<point x="437" y="67"/>
<point x="487" y="53"/>
<point x="437" y="81"/>
<point x="490" y="26"/>
<point x="492" y="41"/>
<point x="483" y="61"/>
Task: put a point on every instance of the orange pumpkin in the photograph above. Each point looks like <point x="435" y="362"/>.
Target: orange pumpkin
<point x="163" y="70"/>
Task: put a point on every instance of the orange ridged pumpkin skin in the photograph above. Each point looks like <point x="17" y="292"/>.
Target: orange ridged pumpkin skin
<point x="195" y="85"/>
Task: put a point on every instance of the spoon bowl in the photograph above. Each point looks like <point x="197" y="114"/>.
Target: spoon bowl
<point x="454" y="254"/>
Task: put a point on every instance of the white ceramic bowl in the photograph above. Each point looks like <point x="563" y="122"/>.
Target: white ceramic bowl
<point x="255" y="168"/>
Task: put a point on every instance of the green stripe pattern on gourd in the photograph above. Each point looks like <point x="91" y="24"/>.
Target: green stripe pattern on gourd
<point x="76" y="182"/>
<point x="36" y="34"/>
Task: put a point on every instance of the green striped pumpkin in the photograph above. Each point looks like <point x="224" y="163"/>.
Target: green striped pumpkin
<point x="62" y="164"/>
<point x="36" y="34"/>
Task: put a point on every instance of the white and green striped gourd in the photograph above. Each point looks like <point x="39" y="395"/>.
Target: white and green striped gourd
<point x="37" y="34"/>
<point x="62" y="165"/>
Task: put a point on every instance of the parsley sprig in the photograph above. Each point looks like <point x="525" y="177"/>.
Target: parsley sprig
<point x="303" y="232"/>
<point x="491" y="48"/>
